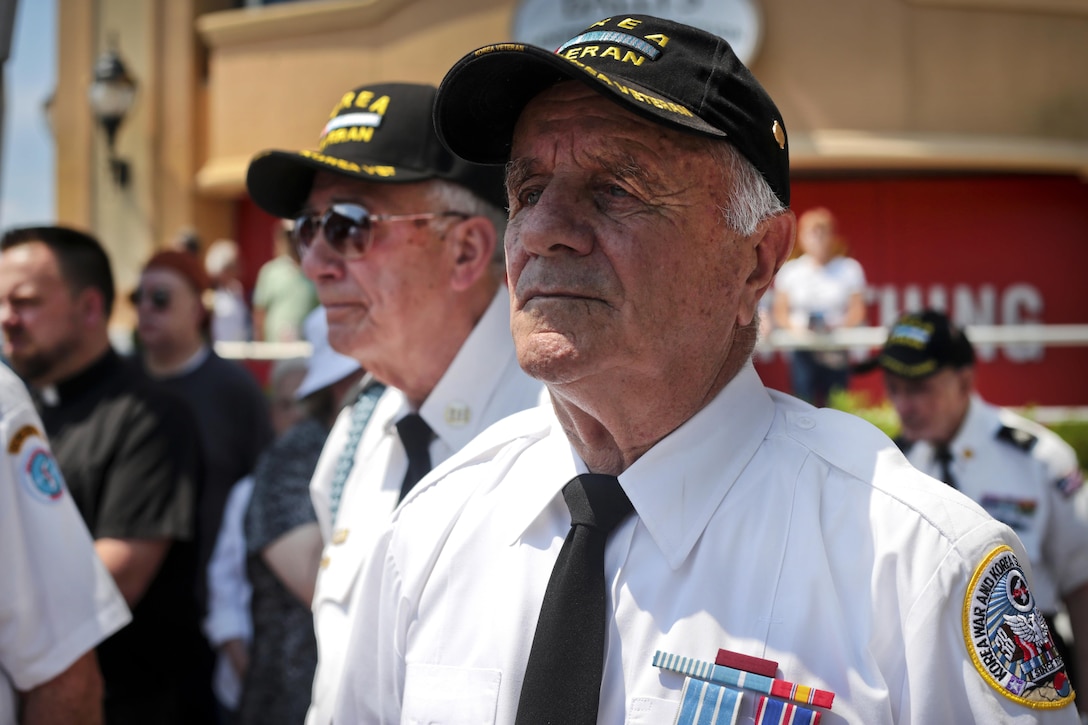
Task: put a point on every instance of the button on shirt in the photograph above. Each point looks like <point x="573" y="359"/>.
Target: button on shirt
<point x="482" y="385"/>
<point x="1022" y="487"/>
<point x="757" y="529"/>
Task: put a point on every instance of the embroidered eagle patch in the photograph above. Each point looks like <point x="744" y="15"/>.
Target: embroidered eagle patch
<point x="1007" y="637"/>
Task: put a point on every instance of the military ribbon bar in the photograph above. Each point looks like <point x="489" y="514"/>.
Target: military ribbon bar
<point x="705" y="703"/>
<point x="722" y="675"/>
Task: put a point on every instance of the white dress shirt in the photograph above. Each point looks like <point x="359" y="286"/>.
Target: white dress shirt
<point x="57" y="600"/>
<point x="482" y="385"/>
<point x="764" y="526"/>
<point x="1030" y="479"/>
<point x="229" y="593"/>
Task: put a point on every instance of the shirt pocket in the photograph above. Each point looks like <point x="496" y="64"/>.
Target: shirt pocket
<point x="652" y="711"/>
<point x="440" y="695"/>
<point x="341" y="564"/>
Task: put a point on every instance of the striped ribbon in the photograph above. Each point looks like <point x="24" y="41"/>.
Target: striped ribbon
<point x="722" y="675"/>
<point x="705" y="703"/>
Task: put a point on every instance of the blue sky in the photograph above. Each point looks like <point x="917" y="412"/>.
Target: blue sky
<point x="26" y="166"/>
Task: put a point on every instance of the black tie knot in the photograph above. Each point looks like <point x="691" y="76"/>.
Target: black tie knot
<point x="943" y="455"/>
<point x="416" y="436"/>
<point x="597" y="501"/>
<point x="414" y="433"/>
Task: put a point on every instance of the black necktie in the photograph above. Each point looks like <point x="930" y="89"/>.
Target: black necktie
<point x="944" y="456"/>
<point x="416" y="436"/>
<point x="563" y="677"/>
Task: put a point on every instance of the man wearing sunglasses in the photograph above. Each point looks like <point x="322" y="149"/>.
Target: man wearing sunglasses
<point x="403" y="242"/>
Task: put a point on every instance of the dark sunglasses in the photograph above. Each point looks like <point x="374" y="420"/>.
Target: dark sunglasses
<point x="158" y="298"/>
<point x="348" y="227"/>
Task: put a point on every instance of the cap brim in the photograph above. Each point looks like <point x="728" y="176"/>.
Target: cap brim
<point x="280" y="181"/>
<point x="483" y="94"/>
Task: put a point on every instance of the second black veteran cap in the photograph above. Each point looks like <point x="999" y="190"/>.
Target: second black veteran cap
<point x="921" y="343"/>
<point x="671" y="73"/>
<point x="381" y="133"/>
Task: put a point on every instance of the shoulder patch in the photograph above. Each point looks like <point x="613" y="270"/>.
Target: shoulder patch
<point x="38" y="470"/>
<point x="1071" y="483"/>
<point x="1017" y="437"/>
<point x="1007" y="637"/>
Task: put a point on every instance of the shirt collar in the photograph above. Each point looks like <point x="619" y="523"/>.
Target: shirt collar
<point x="86" y="379"/>
<point x="195" y="360"/>
<point x="677" y="485"/>
<point x="454" y="410"/>
<point x="978" y="427"/>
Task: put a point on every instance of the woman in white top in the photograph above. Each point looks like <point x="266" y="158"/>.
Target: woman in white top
<point x="820" y="290"/>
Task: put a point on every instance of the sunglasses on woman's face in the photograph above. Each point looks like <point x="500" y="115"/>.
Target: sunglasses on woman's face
<point x="157" y="297"/>
<point x="348" y="227"/>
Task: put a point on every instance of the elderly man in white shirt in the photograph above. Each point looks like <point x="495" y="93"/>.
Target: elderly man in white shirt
<point x="401" y="240"/>
<point x="674" y="543"/>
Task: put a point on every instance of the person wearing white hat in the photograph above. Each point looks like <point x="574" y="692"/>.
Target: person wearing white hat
<point x="283" y="543"/>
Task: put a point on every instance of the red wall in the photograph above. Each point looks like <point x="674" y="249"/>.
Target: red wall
<point x="988" y="249"/>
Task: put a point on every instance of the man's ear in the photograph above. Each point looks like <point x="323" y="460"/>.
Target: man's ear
<point x="771" y="245"/>
<point x="92" y="306"/>
<point x="472" y="245"/>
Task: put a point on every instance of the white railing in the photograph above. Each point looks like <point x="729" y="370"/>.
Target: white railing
<point x="858" y="337"/>
<point x="853" y="337"/>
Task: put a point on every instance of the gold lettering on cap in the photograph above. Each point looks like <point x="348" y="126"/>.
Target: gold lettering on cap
<point x="601" y="23"/>
<point x="345" y="102"/>
<point x="629" y="23"/>
<point x="368" y="169"/>
<point x="380" y="106"/>
<point x="658" y="38"/>
<point x="364" y="98"/>
<point x="779" y="134"/>
<point x="497" y="47"/>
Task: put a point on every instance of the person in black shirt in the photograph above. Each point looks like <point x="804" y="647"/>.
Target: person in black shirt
<point x="130" y="455"/>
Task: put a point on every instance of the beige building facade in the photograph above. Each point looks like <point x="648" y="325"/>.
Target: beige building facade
<point x="865" y="86"/>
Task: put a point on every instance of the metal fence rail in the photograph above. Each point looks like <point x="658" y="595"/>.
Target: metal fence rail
<point x="854" y="337"/>
<point x="857" y="337"/>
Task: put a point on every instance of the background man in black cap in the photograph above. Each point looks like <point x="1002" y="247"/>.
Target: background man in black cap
<point x="402" y="241"/>
<point x="1022" y="473"/>
<point x="648" y="184"/>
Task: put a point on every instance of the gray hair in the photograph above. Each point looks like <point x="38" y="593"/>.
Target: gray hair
<point x="454" y="197"/>
<point x="750" y="199"/>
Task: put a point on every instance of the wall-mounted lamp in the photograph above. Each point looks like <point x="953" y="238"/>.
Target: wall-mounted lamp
<point x="111" y="96"/>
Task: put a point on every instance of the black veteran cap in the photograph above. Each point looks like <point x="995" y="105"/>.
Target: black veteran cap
<point x="382" y="133"/>
<point x="670" y="73"/>
<point x="922" y="343"/>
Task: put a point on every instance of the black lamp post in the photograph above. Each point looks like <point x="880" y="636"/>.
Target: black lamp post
<point x="111" y="96"/>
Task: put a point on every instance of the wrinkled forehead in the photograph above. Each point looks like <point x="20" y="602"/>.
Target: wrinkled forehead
<point x="571" y="114"/>
<point x="330" y="188"/>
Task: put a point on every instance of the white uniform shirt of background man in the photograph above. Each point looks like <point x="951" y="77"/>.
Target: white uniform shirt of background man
<point x="482" y="385"/>
<point x="57" y="601"/>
